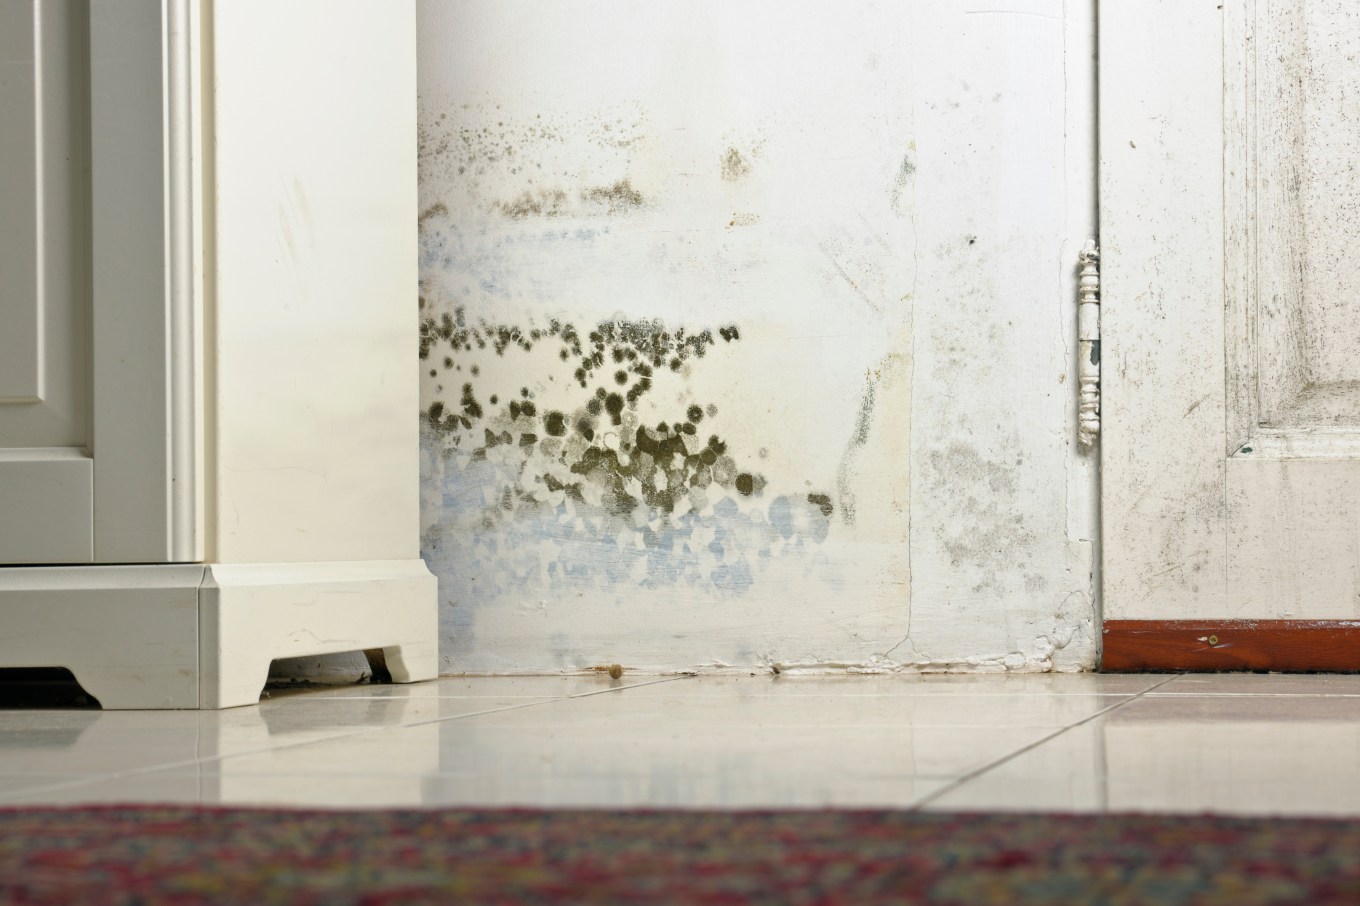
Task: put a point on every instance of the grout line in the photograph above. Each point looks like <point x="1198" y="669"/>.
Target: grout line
<point x="974" y="774"/>
<point x="91" y="779"/>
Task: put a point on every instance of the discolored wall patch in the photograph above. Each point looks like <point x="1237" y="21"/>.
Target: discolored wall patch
<point x="734" y="165"/>
<point x="589" y="457"/>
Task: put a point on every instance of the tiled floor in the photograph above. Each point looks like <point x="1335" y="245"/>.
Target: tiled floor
<point x="1235" y="743"/>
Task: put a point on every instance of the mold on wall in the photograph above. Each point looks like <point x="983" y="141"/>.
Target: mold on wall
<point x="709" y="323"/>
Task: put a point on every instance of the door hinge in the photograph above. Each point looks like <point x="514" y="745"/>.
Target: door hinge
<point x="1088" y="346"/>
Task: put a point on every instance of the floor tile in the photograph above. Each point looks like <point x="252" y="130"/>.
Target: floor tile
<point x="1251" y="755"/>
<point x="787" y="755"/>
<point x="1261" y="684"/>
<point x="1243" y="744"/>
<point x="179" y="787"/>
<point x="17" y="785"/>
<point x="444" y="791"/>
<point x="709" y="702"/>
<point x="110" y="742"/>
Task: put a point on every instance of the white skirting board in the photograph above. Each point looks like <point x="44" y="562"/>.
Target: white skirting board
<point x="203" y="636"/>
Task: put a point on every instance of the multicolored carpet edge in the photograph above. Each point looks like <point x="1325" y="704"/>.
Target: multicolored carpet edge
<point x="149" y="854"/>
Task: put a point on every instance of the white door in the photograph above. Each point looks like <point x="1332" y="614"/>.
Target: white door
<point x="1230" y="232"/>
<point x="96" y="353"/>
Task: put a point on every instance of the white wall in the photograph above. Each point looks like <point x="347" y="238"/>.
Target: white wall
<point x="885" y="200"/>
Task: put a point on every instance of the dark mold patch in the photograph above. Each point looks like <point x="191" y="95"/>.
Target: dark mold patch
<point x="540" y="203"/>
<point x="822" y="502"/>
<point x="436" y="209"/>
<point x="621" y="196"/>
<point x="565" y="458"/>
<point x="858" y="439"/>
<point x="903" y="185"/>
<point x="592" y="202"/>
<point x="734" y="166"/>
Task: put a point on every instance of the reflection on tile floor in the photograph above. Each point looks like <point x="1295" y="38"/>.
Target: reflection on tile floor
<point x="1242" y="743"/>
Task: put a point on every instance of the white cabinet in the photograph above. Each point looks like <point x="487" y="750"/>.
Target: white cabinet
<point x="208" y="374"/>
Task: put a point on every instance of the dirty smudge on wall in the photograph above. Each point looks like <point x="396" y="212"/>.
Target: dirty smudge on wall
<point x="670" y="304"/>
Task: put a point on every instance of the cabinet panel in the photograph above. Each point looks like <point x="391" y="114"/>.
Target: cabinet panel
<point x="98" y="320"/>
<point x="20" y="216"/>
<point x="44" y="296"/>
<point x="52" y="489"/>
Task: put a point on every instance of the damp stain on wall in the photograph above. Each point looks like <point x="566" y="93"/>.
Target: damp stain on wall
<point x="734" y="165"/>
<point x="617" y="198"/>
<point x="611" y="481"/>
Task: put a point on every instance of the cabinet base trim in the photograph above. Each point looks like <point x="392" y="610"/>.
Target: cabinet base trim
<point x="251" y="614"/>
<point x="1221" y="645"/>
<point x="203" y="636"/>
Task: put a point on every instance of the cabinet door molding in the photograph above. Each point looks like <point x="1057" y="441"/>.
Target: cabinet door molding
<point x="146" y="278"/>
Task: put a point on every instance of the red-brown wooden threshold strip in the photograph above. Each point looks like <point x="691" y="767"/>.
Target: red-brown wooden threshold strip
<point x="1216" y="645"/>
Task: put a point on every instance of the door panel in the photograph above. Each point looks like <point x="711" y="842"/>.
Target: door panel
<point x="1162" y="326"/>
<point x="1230" y="203"/>
<point x="1299" y="83"/>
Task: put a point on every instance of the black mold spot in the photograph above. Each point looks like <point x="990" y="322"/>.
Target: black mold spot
<point x="614" y="404"/>
<point x="555" y="423"/>
<point x="471" y="408"/>
<point x="694" y="414"/>
<point x="821" y="501"/>
<point x="745" y="484"/>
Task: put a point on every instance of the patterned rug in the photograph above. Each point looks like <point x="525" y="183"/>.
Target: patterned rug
<point x="152" y="855"/>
